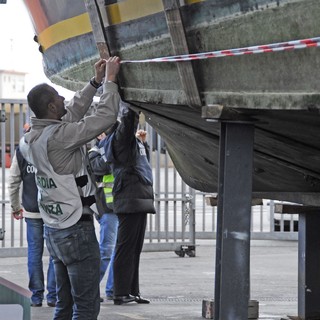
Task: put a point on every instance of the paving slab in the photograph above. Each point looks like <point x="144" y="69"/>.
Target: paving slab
<point x="177" y="286"/>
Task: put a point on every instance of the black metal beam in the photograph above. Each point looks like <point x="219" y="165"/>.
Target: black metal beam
<point x="295" y="209"/>
<point x="232" y="280"/>
<point x="309" y="266"/>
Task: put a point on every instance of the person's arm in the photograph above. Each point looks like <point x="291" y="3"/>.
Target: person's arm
<point x="82" y="100"/>
<point x="142" y="136"/>
<point x="72" y="135"/>
<point x="98" y="165"/>
<point x="124" y="143"/>
<point x="14" y="184"/>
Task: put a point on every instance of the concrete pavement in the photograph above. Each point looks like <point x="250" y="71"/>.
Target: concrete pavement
<point x="176" y="286"/>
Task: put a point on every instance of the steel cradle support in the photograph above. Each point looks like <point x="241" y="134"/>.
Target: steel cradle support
<point x="309" y="266"/>
<point x="308" y="259"/>
<point x="232" y="277"/>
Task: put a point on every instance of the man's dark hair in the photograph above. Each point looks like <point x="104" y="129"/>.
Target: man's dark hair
<point x="38" y="99"/>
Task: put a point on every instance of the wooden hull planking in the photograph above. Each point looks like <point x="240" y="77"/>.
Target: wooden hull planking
<point x="278" y="91"/>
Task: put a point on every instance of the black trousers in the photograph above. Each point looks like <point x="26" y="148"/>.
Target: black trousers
<point x="130" y="240"/>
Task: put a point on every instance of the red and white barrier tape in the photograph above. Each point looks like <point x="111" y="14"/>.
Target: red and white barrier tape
<point x="273" y="47"/>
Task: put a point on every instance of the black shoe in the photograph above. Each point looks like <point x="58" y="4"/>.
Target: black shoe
<point x="101" y="299"/>
<point x="51" y="304"/>
<point x="36" y="304"/>
<point x="109" y="298"/>
<point x="139" y="299"/>
<point x="123" y="299"/>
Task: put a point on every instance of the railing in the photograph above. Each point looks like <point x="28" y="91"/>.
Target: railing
<point x="183" y="215"/>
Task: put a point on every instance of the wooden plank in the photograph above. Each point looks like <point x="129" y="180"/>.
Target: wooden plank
<point x="310" y="174"/>
<point x="180" y="46"/>
<point x="208" y="309"/>
<point x="295" y="209"/>
<point x="301" y="156"/>
<point x="219" y="112"/>
<point x="93" y="9"/>
<point x="305" y="198"/>
<point x="103" y="13"/>
<point x="212" y="200"/>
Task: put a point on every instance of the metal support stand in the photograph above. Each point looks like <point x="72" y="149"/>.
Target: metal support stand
<point x="309" y="266"/>
<point x="232" y="277"/>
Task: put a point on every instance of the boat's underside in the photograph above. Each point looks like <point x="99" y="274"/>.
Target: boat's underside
<point x="286" y="150"/>
<point x="279" y="91"/>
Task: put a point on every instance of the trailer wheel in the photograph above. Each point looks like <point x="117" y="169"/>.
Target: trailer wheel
<point x="191" y="253"/>
<point x="180" y="253"/>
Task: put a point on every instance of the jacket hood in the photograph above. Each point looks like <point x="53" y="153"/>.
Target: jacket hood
<point x="37" y="126"/>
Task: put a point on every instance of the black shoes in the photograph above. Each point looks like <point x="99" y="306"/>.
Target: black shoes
<point x="36" y="304"/>
<point x="139" y="299"/>
<point x="118" y="300"/>
<point x="107" y="298"/>
<point x="51" y="304"/>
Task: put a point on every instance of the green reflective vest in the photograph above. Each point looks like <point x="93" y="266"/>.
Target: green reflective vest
<point x="107" y="182"/>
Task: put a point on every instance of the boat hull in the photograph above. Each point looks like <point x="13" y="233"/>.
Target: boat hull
<point x="278" y="91"/>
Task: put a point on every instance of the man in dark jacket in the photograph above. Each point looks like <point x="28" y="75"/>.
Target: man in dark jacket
<point x="133" y="199"/>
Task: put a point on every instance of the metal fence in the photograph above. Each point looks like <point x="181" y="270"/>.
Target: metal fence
<point x="183" y="215"/>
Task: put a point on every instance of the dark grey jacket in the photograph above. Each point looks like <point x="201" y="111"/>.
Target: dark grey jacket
<point x="128" y="158"/>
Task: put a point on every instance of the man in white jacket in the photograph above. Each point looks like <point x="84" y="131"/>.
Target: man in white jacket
<point x="66" y="190"/>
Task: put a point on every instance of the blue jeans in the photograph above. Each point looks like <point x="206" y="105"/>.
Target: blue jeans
<point x="35" y="239"/>
<point x="108" y="238"/>
<point x="76" y="257"/>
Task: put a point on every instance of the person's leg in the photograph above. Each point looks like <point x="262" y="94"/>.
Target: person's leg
<point x="64" y="303"/>
<point x="105" y="259"/>
<point x="76" y="255"/>
<point x="141" y="228"/>
<point x="123" y="267"/>
<point x="82" y="257"/>
<point x="109" y="284"/>
<point x="111" y="232"/>
<point x="51" y="284"/>
<point x="35" y="266"/>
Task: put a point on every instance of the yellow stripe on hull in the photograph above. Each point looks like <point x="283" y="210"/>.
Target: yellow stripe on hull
<point x="117" y="13"/>
<point x="127" y="10"/>
<point x="64" y="30"/>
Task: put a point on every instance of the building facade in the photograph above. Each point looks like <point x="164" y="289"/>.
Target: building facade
<point x="12" y="84"/>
